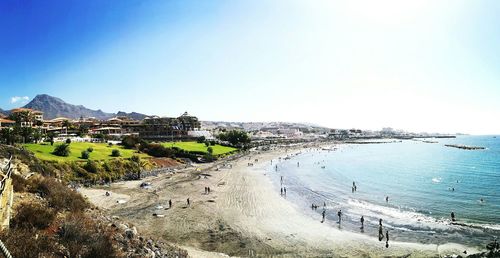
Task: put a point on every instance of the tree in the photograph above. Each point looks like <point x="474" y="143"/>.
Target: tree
<point x="62" y="150"/>
<point x="235" y="137"/>
<point x="66" y="124"/>
<point x="68" y="141"/>
<point x="7" y="136"/>
<point x="210" y="150"/>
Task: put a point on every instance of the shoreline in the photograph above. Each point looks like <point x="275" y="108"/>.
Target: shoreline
<point x="244" y="216"/>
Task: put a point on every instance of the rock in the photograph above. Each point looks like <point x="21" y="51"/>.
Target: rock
<point x="123" y="227"/>
<point x="115" y="217"/>
<point x="130" y="233"/>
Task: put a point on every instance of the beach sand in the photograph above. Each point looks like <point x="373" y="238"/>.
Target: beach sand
<point x="242" y="216"/>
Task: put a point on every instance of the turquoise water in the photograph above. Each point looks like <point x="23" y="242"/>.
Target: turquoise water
<point x="417" y="177"/>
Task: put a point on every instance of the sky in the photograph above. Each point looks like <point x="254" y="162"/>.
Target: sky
<point x="430" y="66"/>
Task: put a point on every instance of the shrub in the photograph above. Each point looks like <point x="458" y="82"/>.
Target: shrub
<point x="200" y="139"/>
<point x="110" y="144"/>
<point x="210" y="150"/>
<point x="25" y="243"/>
<point x="90" y="149"/>
<point x="158" y="150"/>
<point x="129" y="141"/>
<point x="135" y="159"/>
<point x="68" y="141"/>
<point x="91" y="166"/>
<point x="32" y="215"/>
<point x="58" y="195"/>
<point x="207" y="144"/>
<point x="62" y="150"/>
<point x="83" y="238"/>
<point x="115" y="153"/>
<point x="19" y="183"/>
<point x="85" y="154"/>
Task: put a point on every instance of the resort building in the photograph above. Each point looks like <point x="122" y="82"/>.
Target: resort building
<point x="6" y="122"/>
<point x="27" y="117"/>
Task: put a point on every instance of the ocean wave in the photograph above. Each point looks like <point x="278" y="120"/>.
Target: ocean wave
<point x="436" y="179"/>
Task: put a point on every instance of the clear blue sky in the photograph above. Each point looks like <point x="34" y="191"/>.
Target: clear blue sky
<point x="420" y="65"/>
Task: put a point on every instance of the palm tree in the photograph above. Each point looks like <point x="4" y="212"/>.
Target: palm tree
<point x="66" y="124"/>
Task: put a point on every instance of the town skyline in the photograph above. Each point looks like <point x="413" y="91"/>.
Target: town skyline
<point x="334" y="64"/>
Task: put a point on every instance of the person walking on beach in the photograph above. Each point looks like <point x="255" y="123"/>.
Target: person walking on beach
<point x="298" y="164"/>
<point x="188" y="202"/>
<point x="362" y="222"/>
<point x="281" y="191"/>
<point x="206" y="191"/>
<point x="387" y="199"/>
<point x="284" y="190"/>
<point x="323" y="214"/>
<point x="208" y="188"/>
<point x="281" y="180"/>
<point x="380" y="233"/>
<point x="170" y="203"/>
<point x="340" y="215"/>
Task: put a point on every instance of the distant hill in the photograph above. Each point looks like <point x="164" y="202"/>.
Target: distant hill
<point x="53" y="107"/>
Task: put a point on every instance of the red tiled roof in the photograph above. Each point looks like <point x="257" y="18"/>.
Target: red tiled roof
<point x="6" y="121"/>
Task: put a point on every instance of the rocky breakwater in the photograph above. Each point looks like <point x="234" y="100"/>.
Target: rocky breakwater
<point x="465" y="147"/>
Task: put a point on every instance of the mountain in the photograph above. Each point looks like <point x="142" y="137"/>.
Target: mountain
<point x="132" y="115"/>
<point x="256" y="126"/>
<point x="53" y="107"/>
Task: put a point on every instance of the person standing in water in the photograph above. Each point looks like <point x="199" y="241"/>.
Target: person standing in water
<point x="452" y="216"/>
<point x="323" y="214"/>
<point x="298" y="164"/>
<point x="284" y="190"/>
<point x="387" y="199"/>
<point x="362" y="222"/>
<point x="340" y="215"/>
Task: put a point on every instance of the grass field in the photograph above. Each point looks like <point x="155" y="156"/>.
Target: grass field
<point x="195" y="146"/>
<point x="101" y="151"/>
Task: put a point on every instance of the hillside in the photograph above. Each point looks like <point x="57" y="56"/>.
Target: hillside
<point x="55" y="107"/>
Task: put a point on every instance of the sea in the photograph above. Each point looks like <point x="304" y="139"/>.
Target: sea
<point x="424" y="183"/>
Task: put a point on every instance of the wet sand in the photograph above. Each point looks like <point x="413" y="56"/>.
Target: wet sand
<point x="242" y="216"/>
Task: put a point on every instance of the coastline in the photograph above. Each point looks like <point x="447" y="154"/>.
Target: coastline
<point x="244" y="216"/>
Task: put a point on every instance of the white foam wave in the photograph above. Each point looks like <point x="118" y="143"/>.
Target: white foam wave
<point x="436" y="179"/>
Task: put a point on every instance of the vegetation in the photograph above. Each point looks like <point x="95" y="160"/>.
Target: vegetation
<point x="235" y="137"/>
<point x="100" y="151"/>
<point x="200" y="147"/>
<point x="115" y="153"/>
<point x="85" y="154"/>
<point x="62" y="150"/>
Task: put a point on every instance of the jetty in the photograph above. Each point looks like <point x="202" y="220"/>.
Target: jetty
<point x="465" y="147"/>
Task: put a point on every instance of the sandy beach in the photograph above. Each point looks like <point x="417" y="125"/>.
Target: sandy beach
<point x="242" y="216"/>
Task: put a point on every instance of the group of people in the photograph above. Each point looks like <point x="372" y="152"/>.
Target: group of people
<point x="354" y="187"/>
<point x="207" y="190"/>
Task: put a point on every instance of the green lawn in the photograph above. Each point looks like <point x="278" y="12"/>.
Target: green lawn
<point x="195" y="146"/>
<point x="101" y="151"/>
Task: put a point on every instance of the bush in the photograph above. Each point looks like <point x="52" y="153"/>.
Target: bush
<point x="129" y="141"/>
<point x="25" y="243"/>
<point x="115" y="153"/>
<point x="85" y="154"/>
<point x="62" y="150"/>
<point x="18" y="183"/>
<point x="90" y="149"/>
<point x="83" y="238"/>
<point x="158" y="150"/>
<point x="207" y="144"/>
<point x="58" y="195"/>
<point x="210" y="150"/>
<point x="91" y="166"/>
<point x="68" y="141"/>
<point x="32" y="215"/>
<point x="135" y="159"/>
<point x="200" y="139"/>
